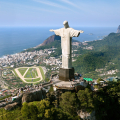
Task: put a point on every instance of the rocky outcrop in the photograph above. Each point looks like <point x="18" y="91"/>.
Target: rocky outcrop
<point x="34" y="96"/>
<point x="79" y="87"/>
<point x="118" y="30"/>
<point x="26" y="97"/>
<point x="2" y="100"/>
<point x="11" y="106"/>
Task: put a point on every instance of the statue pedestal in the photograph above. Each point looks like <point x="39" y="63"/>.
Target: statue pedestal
<point x="66" y="74"/>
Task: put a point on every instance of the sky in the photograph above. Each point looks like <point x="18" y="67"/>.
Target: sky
<point x="85" y="13"/>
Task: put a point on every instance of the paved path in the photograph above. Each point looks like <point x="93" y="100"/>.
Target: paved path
<point x="25" y="72"/>
<point x="13" y="72"/>
<point x="22" y="77"/>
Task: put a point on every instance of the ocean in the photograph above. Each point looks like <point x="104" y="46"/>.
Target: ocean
<point x="16" y="39"/>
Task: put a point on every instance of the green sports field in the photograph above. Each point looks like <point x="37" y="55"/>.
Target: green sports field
<point x="22" y="70"/>
<point x="31" y="73"/>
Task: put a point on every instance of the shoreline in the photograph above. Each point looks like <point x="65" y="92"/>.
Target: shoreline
<point x="3" y="56"/>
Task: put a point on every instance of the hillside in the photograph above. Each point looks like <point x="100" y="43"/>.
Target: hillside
<point x="113" y="39"/>
<point x="49" y="40"/>
<point x="105" y="56"/>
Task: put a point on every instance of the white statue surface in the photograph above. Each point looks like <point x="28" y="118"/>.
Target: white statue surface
<point x="66" y="34"/>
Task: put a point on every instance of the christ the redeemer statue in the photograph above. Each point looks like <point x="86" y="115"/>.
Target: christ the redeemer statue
<point x="66" y="34"/>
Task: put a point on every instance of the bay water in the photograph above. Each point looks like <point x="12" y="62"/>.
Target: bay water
<point x="16" y="39"/>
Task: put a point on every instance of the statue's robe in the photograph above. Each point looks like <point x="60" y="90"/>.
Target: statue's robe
<point x="66" y="41"/>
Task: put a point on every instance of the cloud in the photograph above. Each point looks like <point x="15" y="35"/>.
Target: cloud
<point x="52" y="4"/>
<point x="21" y="6"/>
<point x="70" y="3"/>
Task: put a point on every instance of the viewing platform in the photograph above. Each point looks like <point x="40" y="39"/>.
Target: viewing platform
<point x="71" y="85"/>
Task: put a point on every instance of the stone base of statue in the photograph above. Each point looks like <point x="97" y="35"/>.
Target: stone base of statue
<point x="66" y="74"/>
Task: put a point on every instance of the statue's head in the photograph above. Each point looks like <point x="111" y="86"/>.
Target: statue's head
<point x="65" y="23"/>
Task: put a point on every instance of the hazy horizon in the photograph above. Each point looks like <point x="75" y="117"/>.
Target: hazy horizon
<point x="28" y="13"/>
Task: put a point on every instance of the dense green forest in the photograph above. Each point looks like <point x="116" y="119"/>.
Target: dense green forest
<point x="65" y="106"/>
<point x="90" y="61"/>
<point x="104" y="52"/>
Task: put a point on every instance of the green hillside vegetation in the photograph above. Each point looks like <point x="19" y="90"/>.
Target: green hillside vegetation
<point x="90" y="61"/>
<point x="55" y="43"/>
<point x="10" y="115"/>
<point x="81" y="51"/>
<point x="105" y="102"/>
<point x="105" y="52"/>
<point x="113" y="39"/>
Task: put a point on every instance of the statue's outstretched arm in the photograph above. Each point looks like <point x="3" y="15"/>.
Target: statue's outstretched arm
<point x="51" y="30"/>
<point x="81" y="31"/>
<point x="57" y="32"/>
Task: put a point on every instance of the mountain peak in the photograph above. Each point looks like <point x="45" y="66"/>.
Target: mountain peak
<point x="118" y="30"/>
<point x="51" y="39"/>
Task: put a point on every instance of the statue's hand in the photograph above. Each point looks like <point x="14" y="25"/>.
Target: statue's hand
<point x="81" y="31"/>
<point x="51" y="30"/>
